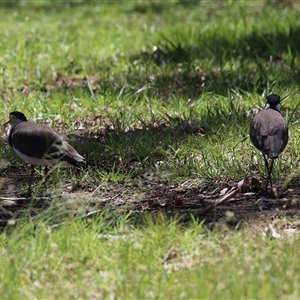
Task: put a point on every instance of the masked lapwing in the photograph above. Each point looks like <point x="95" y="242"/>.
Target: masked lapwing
<point x="39" y="145"/>
<point x="269" y="132"/>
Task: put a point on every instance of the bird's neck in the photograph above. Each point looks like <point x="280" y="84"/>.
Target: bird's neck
<point x="276" y="107"/>
<point x="11" y="126"/>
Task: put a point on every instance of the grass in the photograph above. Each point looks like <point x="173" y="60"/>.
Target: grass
<point x="105" y="259"/>
<point x="152" y="94"/>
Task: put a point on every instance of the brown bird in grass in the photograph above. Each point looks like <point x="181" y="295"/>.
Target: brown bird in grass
<point x="269" y="132"/>
<point x="39" y="145"/>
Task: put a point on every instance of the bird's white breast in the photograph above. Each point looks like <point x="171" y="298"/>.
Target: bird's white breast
<point x="9" y="129"/>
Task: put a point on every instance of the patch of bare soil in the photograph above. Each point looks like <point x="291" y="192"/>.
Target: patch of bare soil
<point x="231" y="205"/>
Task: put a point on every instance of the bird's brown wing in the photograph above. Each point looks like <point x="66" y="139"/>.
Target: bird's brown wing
<point x="36" y="140"/>
<point x="71" y="155"/>
<point x="269" y="132"/>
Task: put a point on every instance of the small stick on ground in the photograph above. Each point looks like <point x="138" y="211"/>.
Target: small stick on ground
<point x="226" y="197"/>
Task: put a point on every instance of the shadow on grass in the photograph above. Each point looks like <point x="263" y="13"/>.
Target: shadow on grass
<point x="143" y="7"/>
<point x="145" y="144"/>
<point x="255" y="62"/>
<point x="45" y="4"/>
<point x="148" y="142"/>
<point x="217" y="64"/>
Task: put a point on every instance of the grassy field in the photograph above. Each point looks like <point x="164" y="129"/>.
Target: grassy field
<point x="158" y="97"/>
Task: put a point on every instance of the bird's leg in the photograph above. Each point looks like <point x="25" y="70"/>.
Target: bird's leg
<point x="31" y="180"/>
<point x="269" y="171"/>
<point x="46" y="177"/>
<point x="46" y="172"/>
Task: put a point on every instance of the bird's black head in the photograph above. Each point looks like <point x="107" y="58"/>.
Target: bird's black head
<point x="273" y="101"/>
<point x="17" y="115"/>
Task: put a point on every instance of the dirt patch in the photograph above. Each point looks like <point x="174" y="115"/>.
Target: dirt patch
<point x="140" y="196"/>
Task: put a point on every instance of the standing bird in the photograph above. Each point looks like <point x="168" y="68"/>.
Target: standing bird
<point x="39" y="145"/>
<point x="269" y="132"/>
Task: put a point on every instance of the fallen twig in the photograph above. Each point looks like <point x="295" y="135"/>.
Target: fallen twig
<point x="226" y="197"/>
<point x="29" y="198"/>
